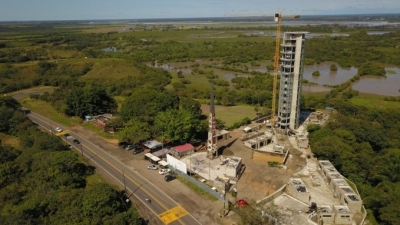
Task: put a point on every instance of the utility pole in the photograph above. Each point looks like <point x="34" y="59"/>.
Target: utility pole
<point x="51" y="127"/>
<point x="162" y="142"/>
<point x="81" y="151"/>
<point x="123" y="176"/>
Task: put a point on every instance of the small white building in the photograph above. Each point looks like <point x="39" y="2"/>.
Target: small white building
<point x="259" y="141"/>
<point x="326" y="215"/>
<point x="336" y="184"/>
<point x="247" y="130"/>
<point x="352" y="200"/>
<point x="343" y="214"/>
<point x="233" y="166"/>
<point x="302" y="141"/>
<point x="299" y="190"/>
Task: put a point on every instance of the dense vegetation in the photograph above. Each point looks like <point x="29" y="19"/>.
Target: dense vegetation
<point x="363" y="143"/>
<point x="43" y="182"/>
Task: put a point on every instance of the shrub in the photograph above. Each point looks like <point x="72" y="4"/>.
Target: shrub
<point x="316" y="73"/>
<point x="333" y="67"/>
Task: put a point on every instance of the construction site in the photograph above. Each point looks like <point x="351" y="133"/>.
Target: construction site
<point x="270" y="161"/>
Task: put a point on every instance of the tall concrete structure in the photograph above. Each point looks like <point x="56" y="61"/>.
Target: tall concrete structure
<point x="291" y="71"/>
<point x="212" y="127"/>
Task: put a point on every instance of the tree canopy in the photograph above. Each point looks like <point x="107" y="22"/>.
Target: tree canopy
<point x="43" y="182"/>
<point x="93" y="100"/>
<point x="144" y="104"/>
<point x="178" y="125"/>
<point x="363" y="144"/>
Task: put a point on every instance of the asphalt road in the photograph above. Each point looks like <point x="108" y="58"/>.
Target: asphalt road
<point x="164" y="207"/>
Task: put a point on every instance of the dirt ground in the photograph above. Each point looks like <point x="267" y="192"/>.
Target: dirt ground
<point x="258" y="180"/>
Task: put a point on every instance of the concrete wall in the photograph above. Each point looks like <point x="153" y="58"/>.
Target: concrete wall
<point x="274" y="195"/>
<point x="326" y="218"/>
<point x="354" y="206"/>
<point x="343" y="218"/>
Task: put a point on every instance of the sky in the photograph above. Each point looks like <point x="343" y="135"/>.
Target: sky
<point x="22" y="10"/>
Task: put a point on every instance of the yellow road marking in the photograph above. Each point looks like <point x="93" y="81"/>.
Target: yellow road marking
<point x="62" y="133"/>
<point x="173" y="214"/>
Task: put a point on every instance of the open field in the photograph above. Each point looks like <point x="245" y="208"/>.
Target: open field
<point x="374" y="101"/>
<point x="190" y="35"/>
<point x="94" y="179"/>
<point x="109" y="70"/>
<point x="231" y="114"/>
<point x="9" y="140"/>
<point x="45" y="109"/>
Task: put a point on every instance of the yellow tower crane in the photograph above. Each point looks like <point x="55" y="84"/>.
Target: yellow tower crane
<point x="278" y="19"/>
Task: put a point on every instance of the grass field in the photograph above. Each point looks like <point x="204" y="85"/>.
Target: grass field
<point x="94" y="179"/>
<point x="109" y="69"/>
<point x="45" y="109"/>
<point x="374" y="101"/>
<point x="190" y="35"/>
<point x="120" y="100"/>
<point x="9" y="140"/>
<point x="231" y="114"/>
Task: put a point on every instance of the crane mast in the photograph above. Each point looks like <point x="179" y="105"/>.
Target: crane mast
<point x="277" y="19"/>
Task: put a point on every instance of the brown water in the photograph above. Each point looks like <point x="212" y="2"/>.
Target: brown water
<point x="326" y="76"/>
<point x="389" y="85"/>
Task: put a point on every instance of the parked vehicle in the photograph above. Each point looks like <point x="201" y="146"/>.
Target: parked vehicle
<point x="169" y="177"/>
<point x="152" y="167"/>
<point x="164" y="171"/>
<point x="76" y="141"/>
<point x="122" y="144"/>
<point x="137" y="151"/>
<point x="129" y="147"/>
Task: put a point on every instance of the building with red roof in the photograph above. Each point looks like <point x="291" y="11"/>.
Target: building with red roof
<point x="182" y="150"/>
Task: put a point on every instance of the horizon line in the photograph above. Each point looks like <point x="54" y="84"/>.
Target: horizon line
<point x="205" y="17"/>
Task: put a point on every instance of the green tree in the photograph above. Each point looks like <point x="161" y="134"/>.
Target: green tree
<point x="191" y="105"/>
<point x="313" y="127"/>
<point x="146" y="103"/>
<point x="75" y="103"/>
<point x="135" y="131"/>
<point x="177" y="125"/>
<point x="93" y="100"/>
<point x="99" y="201"/>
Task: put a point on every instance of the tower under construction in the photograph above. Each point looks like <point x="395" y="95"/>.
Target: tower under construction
<point x="291" y="67"/>
<point x="212" y="127"/>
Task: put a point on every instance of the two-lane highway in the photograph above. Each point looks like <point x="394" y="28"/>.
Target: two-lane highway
<point x="164" y="207"/>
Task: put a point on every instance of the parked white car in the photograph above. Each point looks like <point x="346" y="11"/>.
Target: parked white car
<point x="152" y="167"/>
<point x="58" y="129"/>
<point x="164" y="171"/>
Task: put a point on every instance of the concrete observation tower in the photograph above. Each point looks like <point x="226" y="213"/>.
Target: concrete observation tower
<point x="291" y="71"/>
